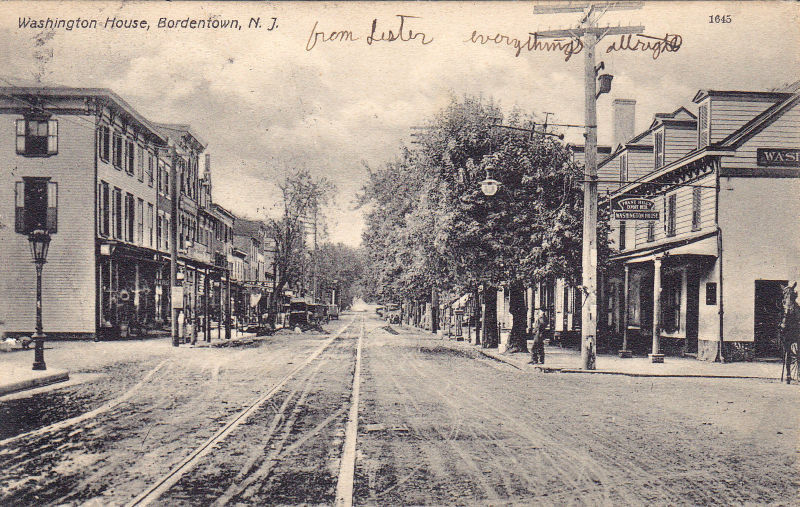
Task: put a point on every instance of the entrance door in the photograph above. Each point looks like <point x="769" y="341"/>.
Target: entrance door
<point x="768" y="313"/>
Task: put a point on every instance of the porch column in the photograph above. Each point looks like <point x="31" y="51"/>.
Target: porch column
<point x="624" y="308"/>
<point x="656" y="356"/>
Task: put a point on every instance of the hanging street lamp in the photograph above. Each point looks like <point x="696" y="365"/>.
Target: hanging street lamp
<point x="489" y="186"/>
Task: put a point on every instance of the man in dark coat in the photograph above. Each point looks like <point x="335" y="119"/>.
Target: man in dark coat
<point x="538" y="332"/>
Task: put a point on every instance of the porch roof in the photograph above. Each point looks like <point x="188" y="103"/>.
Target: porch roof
<point x="698" y="245"/>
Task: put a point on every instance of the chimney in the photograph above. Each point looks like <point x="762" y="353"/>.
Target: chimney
<point x="624" y="117"/>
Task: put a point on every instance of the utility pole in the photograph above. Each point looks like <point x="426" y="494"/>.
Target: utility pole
<point x="591" y="35"/>
<point x="173" y="244"/>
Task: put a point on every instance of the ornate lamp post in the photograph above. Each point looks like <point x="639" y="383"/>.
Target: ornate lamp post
<point x="39" y="242"/>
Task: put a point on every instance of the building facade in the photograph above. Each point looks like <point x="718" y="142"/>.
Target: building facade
<point x="107" y="272"/>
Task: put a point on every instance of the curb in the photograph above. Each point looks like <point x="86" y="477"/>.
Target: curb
<point x="24" y="385"/>
<point x="561" y="369"/>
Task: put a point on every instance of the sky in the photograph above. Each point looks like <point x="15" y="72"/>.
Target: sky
<point x="271" y="101"/>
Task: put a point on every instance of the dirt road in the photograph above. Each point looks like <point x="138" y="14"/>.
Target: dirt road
<point x="437" y="424"/>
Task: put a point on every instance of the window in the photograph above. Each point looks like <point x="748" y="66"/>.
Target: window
<point x="150" y="224"/>
<point x="167" y="233"/>
<point x="150" y="164"/>
<point x="104" y="208"/>
<point x="159" y="231"/>
<point x="36" y="205"/>
<point x="670" y="215"/>
<point x="711" y="293"/>
<point x="651" y="231"/>
<point x="140" y="222"/>
<point x="117" y="212"/>
<point x="166" y="181"/>
<point x="671" y="301"/>
<point x="696" y="195"/>
<point x="623" y="167"/>
<point x="117" y="151"/>
<point x="659" y="149"/>
<point x="140" y="163"/>
<point x="634" y="300"/>
<point x="37" y="137"/>
<point x="130" y="150"/>
<point x="622" y="235"/>
<point x="103" y="143"/>
<point x="130" y="217"/>
<point x="703" y="127"/>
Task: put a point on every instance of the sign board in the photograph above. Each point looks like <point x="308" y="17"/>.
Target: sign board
<point x="177" y="296"/>
<point x="635" y="209"/>
<point x="781" y="157"/>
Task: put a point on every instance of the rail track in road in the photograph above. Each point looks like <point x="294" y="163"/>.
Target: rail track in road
<point x="247" y="479"/>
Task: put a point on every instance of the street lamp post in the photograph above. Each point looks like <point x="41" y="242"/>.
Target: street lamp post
<point x="39" y="242"/>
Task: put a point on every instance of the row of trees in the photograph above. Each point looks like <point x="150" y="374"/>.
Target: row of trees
<point x="429" y="229"/>
<point x="298" y="222"/>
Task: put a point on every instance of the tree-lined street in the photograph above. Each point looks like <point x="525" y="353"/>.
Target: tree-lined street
<point x="438" y="423"/>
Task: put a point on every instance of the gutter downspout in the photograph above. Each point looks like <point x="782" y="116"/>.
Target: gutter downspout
<point x="720" y="354"/>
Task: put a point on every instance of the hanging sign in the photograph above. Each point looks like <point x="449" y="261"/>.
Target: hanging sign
<point x="635" y="209"/>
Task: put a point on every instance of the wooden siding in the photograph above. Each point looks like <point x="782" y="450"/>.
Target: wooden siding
<point x="782" y="133"/>
<point x="608" y="171"/>
<point x="68" y="281"/>
<point x="640" y="163"/>
<point x="728" y="116"/>
<point x="683" y="212"/>
<point x="678" y="142"/>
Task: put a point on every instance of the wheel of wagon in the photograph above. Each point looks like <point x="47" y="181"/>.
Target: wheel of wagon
<point x="794" y="361"/>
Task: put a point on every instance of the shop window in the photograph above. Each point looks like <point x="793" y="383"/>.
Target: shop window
<point x="635" y="301"/>
<point x="671" y="301"/>
<point x="37" y="137"/>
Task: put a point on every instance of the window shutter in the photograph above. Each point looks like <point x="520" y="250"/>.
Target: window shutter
<point x="19" y="207"/>
<point x="52" y="207"/>
<point x="52" y="137"/>
<point x="703" y="127"/>
<point x="20" y="137"/>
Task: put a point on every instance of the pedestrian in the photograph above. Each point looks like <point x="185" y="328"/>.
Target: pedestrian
<point x="537" y="347"/>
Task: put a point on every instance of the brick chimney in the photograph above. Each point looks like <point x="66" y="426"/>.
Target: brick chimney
<point x="624" y="118"/>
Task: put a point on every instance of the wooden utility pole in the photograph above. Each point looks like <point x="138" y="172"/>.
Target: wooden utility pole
<point x="591" y="35"/>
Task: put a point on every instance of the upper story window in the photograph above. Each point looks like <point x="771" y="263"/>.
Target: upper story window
<point x="658" y="148"/>
<point x="37" y="137"/>
<point x="140" y="163"/>
<point x="623" y="168"/>
<point x="670" y="214"/>
<point x="36" y="205"/>
<point x="116" y="149"/>
<point x="150" y="166"/>
<point x="703" y="127"/>
<point x="103" y="143"/>
<point x="696" y="196"/>
<point x="130" y="150"/>
<point x="651" y="231"/>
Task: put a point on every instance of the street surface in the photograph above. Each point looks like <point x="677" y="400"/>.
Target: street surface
<point x="438" y="423"/>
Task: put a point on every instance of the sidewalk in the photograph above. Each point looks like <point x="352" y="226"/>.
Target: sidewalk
<point x="218" y="339"/>
<point x="569" y="361"/>
<point x="17" y="375"/>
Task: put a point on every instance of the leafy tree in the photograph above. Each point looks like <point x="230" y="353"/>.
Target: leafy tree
<point x="431" y="227"/>
<point x="302" y="195"/>
<point x="339" y="268"/>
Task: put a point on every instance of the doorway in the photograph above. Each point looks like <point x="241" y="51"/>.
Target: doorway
<point x="767" y="317"/>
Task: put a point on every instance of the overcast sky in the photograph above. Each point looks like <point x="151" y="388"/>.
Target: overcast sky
<point x="266" y="104"/>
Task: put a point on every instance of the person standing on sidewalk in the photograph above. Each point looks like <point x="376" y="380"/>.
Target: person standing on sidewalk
<point x="537" y="347"/>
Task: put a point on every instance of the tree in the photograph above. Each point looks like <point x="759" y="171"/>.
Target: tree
<point x="339" y="268"/>
<point x="302" y="196"/>
<point x="439" y="231"/>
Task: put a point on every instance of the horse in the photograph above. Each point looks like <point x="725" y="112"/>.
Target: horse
<point x="790" y="332"/>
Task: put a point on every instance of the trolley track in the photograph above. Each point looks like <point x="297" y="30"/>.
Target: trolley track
<point x="167" y="481"/>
